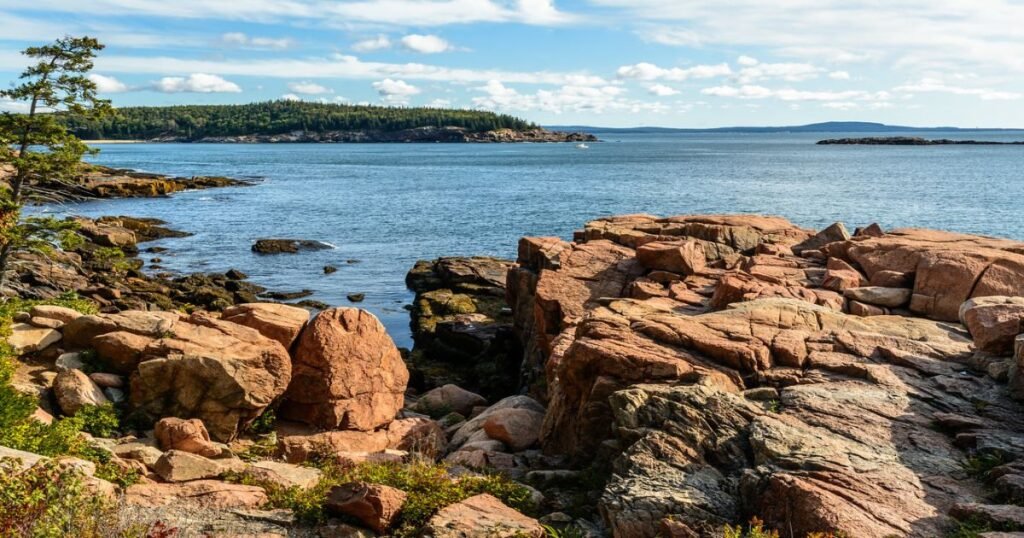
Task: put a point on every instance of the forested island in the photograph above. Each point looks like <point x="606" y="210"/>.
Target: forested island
<point x="294" y="121"/>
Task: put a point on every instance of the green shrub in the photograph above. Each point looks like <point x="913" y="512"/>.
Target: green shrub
<point x="428" y="485"/>
<point x="17" y="429"/>
<point x="264" y="423"/>
<point x="100" y="420"/>
<point x="47" y="501"/>
<point x="755" y="530"/>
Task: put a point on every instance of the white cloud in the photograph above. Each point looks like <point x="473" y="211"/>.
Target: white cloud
<point x="380" y="42"/>
<point x="648" y="71"/>
<point x="662" y="90"/>
<point x="308" y="88"/>
<point x="568" y="98"/>
<point x="750" y="91"/>
<point x="395" y="91"/>
<point x="339" y="66"/>
<point x="12" y="105"/>
<point x="196" y="83"/>
<point x="675" y="37"/>
<point x="747" y="61"/>
<point x="328" y="12"/>
<point x="425" y="44"/>
<point x="930" y="85"/>
<point x="440" y="103"/>
<point x="105" y="84"/>
<point x="915" y="34"/>
<point x="792" y="72"/>
<point x="839" y="75"/>
<point x="290" y="97"/>
<point x="239" y="39"/>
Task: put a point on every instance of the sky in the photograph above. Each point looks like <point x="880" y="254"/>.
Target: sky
<point x="622" y="63"/>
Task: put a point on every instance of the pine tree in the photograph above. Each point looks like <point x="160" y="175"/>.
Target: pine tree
<point x="35" y="144"/>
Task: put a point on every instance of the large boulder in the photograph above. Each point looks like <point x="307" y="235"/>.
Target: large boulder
<point x="275" y="321"/>
<point x="994" y="322"/>
<point x="74" y="390"/>
<point x="219" y="372"/>
<point x="347" y="373"/>
<point x="519" y="429"/>
<point x="449" y="398"/>
<point x="180" y="466"/>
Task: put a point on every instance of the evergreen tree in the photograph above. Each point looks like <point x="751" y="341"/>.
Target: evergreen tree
<point x="35" y="145"/>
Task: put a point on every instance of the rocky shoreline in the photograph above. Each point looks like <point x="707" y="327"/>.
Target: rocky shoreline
<point x="911" y="141"/>
<point x="652" y="377"/>
<point x="417" y="135"/>
<point x="100" y="182"/>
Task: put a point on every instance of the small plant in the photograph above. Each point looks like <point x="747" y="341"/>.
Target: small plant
<point x="773" y="406"/>
<point x="755" y="530"/>
<point x="980" y="465"/>
<point x="264" y="423"/>
<point x="571" y="531"/>
<point x="971" y="528"/>
<point x="100" y="420"/>
<point x="118" y="475"/>
<point x="114" y="258"/>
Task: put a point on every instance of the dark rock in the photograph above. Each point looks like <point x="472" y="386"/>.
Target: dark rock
<point x="356" y="297"/>
<point x="330" y="269"/>
<point x="287" y="246"/>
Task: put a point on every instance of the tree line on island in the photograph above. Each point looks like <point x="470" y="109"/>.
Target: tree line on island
<point x="194" y="122"/>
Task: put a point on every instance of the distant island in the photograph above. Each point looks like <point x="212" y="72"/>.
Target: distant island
<point x="294" y="121"/>
<point x="911" y="141"/>
<point x="824" y="127"/>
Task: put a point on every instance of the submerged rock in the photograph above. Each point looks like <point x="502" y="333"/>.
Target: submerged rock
<point x="287" y="246"/>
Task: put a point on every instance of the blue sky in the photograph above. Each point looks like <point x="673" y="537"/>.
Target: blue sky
<point x="676" y="63"/>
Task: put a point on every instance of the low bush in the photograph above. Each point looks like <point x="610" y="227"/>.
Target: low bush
<point x="428" y="485"/>
<point x="100" y="420"/>
<point x="48" y="500"/>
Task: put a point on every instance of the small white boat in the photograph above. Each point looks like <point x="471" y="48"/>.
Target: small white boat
<point x="581" y="145"/>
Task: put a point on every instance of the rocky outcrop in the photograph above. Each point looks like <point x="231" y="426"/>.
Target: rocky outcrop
<point x="103" y="265"/>
<point x="462" y="326"/>
<point x="347" y="373"/>
<point x="95" y="181"/>
<point x="197" y="366"/>
<point x="219" y="372"/>
<point x="756" y="386"/>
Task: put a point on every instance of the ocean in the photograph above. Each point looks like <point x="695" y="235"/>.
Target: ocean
<point x="384" y="206"/>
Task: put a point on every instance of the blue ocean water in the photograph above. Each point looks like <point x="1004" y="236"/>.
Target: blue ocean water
<point x="388" y="205"/>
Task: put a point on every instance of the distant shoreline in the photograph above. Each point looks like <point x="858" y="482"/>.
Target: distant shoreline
<point x="912" y="141"/>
